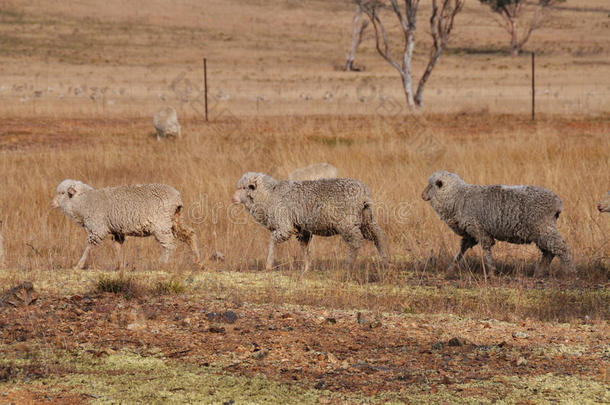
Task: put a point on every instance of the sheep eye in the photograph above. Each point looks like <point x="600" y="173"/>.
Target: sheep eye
<point x="439" y="183"/>
<point x="251" y="186"/>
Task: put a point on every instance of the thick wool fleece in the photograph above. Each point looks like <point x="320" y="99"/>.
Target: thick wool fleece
<point x="134" y="210"/>
<point x="304" y="208"/>
<point x="483" y="214"/>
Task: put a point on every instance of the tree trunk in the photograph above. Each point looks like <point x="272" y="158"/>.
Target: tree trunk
<point x="422" y="82"/>
<point x="514" y="41"/>
<point x="356" y="39"/>
<point x="407" y="77"/>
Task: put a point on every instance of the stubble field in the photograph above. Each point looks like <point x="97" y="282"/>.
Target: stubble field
<point x="79" y="85"/>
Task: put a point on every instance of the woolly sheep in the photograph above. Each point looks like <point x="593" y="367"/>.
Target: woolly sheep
<point x="166" y="123"/>
<point x="2" y="251"/>
<point x="483" y="214"/>
<point x="604" y="205"/>
<point x="134" y="210"/>
<point x="315" y="171"/>
<point x="305" y="208"/>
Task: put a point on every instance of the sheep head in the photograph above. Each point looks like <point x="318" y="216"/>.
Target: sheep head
<point x="66" y="192"/>
<point x="253" y="188"/>
<point x="441" y="186"/>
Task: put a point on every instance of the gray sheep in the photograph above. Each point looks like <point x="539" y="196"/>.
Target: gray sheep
<point x="315" y="171"/>
<point x="604" y="205"/>
<point x="166" y="123"/>
<point x="305" y="208"/>
<point x="135" y="210"/>
<point x="483" y="214"/>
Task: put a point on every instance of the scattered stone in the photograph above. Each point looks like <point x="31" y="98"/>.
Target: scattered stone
<point x="21" y="295"/>
<point x="217" y="329"/>
<point x="454" y="342"/>
<point x="227" y="316"/>
<point x="437" y="346"/>
<point x="331" y="320"/>
<point x="521" y="362"/>
<point x="375" y="324"/>
<point x="520" y="335"/>
<point x="259" y="355"/>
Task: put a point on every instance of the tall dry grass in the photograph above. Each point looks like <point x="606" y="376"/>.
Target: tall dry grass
<point x="394" y="157"/>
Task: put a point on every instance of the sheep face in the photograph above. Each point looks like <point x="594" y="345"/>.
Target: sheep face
<point x="604" y="205"/>
<point x="253" y="188"/>
<point x="440" y="186"/>
<point x="66" y="192"/>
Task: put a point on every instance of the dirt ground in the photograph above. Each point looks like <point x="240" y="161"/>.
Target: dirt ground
<point x="335" y="352"/>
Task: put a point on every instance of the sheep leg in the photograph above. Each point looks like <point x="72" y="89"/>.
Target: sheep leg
<point x="544" y="264"/>
<point x="304" y="239"/>
<point x="83" y="260"/>
<point x="276" y="238"/>
<point x="187" y="235"/>
<point x="373" y="232"/>
<point x="465" y="243"/>
<point x="166" y="240"/>
<point x="552" y="244"/>
<point x="487" y="243"/>
<point x="354" y="240"/>
<point x="117" y="241"/>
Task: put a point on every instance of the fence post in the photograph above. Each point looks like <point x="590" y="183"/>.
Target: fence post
<point x="533" y="86"/>
<point x="205" y="86"/>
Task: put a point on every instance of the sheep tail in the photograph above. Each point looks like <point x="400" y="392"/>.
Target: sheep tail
<point x="185" y="234"/>
<point x="373" y="232"/>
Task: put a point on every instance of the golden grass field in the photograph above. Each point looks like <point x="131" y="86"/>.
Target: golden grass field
<point x="78" y="86"/>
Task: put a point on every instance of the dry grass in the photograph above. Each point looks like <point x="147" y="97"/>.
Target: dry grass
<point x="77" y="100"/>
<point x="393" y="156"/>
<point x="279" y="58"/>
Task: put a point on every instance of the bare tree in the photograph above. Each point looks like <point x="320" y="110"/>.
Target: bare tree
<point x="357" y="36"/>
<point x="441" y="24"/>
<point x="531" y="15"/>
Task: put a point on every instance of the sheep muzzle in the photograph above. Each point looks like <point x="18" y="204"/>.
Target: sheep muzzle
<point x="425" y="195"/>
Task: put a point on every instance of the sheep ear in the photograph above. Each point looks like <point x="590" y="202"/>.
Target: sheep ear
<point x="71" y="191"/>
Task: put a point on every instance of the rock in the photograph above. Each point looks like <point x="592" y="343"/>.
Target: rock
<point x="520" y="335"/>
<point x="216" y="329"/>
<point x="521" y="362"/>
<point x="21" y="295"/>
<point x="454" y="342"/>
<point x="229" y="316"/>
<point x="375" y="324"/>
<point x="437" y="346"/>
<point x="259" y="355"/>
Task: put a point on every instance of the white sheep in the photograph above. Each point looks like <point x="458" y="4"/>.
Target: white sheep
<point x="315" y="171"/>
<point x="166" y="123"/>
<point x="135" y="210"/>
<point x="484" y="214"/>
<point x="305" y="208"/>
